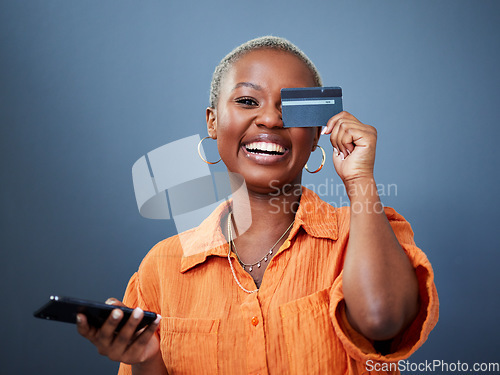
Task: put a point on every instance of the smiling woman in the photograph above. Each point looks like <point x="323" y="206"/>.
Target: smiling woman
<point x="302" y="289"/>
<point x="248" y="114"/>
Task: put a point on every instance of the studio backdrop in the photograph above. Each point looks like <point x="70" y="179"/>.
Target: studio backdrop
<point x="88" y="88"/>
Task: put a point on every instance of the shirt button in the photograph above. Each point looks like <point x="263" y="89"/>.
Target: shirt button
<point x="255" y="321"/>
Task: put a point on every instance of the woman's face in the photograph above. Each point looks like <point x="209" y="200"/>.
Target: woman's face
<point x="247" y="122"/>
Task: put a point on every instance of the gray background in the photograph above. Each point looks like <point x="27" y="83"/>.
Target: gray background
<point x="88" y="87"/>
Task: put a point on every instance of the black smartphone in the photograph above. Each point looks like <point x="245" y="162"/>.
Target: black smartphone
<point x="64" y="309"/>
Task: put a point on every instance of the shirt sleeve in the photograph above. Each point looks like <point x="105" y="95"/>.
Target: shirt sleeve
<point x="131" y="299"/>
<point x="361" y="349"/>
<point x="141" y="292"/>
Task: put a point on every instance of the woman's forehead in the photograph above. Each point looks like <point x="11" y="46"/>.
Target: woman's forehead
<point x="269" y="64"/>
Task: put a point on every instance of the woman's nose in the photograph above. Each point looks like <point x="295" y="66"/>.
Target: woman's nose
<point x="270" y="117"/>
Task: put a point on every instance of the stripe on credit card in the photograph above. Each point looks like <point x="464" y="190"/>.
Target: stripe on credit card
<point x="308" y="102"/>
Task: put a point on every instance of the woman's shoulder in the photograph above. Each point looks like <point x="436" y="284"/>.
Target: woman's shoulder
<point x="169" y="252"/>
<point x="165" y="253"/>
<point x="171" y="246"/>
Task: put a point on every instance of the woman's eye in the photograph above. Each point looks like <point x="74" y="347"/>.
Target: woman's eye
<point x="247" y="102"/>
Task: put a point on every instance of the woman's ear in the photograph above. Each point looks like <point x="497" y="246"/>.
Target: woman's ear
<point x="212" y="122"/>
<point x="317" y="134"/>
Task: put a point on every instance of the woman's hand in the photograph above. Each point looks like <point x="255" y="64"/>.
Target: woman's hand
<point x="354" y="147"/>
<point x="127" y="346"/>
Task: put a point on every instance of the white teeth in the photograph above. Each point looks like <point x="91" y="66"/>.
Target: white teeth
<point x="265" y="146"/>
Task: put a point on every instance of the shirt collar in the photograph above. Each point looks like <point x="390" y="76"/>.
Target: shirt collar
<point x="316" y="217"/>
<point x="205" y="240"/>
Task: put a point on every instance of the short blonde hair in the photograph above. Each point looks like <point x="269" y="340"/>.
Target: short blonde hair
<point x="265" y="42"/>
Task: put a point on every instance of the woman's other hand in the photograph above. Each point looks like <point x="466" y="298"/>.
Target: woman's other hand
<point x="127" y="346"/>
<point x="354" y="147"/>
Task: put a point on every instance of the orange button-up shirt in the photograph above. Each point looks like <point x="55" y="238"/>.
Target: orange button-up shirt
<point x="294" y="324"/>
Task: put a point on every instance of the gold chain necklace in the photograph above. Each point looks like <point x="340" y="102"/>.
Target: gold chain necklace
<point x="250" y="266"/>
<point x="265" y="258"/>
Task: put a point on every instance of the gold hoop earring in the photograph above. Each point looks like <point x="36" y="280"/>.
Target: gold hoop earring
<point x="201" y="157"/>
<point x="322" y="161"/>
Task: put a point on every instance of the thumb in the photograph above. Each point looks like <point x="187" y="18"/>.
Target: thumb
<point x="114" y="302"/>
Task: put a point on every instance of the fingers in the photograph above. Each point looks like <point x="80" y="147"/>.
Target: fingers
<point x="145" y="336"/>
<point x="342" y="139"/>
<point x="106" y="335"/>
<point x="347" y="133"/>
<point x="83" y="327"/>
<point x="128" y="344"/>
<point x="126" y="335"/>
<point x="331" y="123"/>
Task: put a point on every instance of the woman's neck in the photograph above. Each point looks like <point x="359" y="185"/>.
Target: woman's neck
<point x="255" y="213"/>
<point x="260" y="224"/>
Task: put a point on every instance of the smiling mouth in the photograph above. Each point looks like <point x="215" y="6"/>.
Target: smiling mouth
<point x="265" y="148"/>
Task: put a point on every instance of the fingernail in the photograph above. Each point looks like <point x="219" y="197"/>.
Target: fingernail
<point x="137" y="313"/>
<point x="348" y="152"/>
<point x="116" y="314"/>
<point x="158" y="318"/>
<point x="78" y="319"/>
<point x="110" y="301"/>
<point x="342" y="157"/>
<point x="324" y="130"/>
<point x="335" y="151"/>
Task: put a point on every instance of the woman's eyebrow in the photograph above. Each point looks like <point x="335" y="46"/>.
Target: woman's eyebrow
<point x="248" y="84"/>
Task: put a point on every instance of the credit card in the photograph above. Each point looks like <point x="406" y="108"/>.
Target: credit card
<point x="310" y="106"/>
